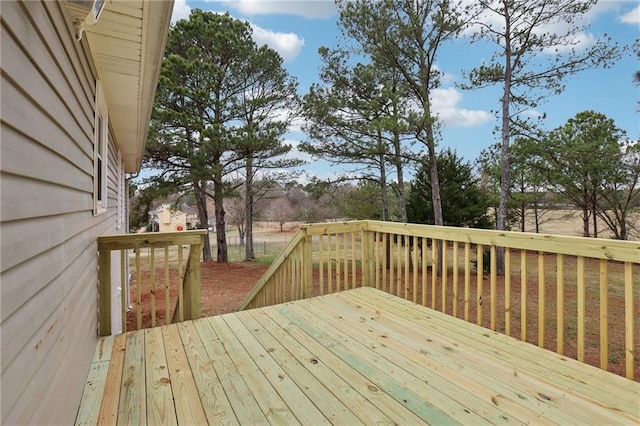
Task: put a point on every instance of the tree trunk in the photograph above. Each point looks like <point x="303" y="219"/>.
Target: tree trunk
<point x="536" y="216"/>
<point x="383" y="189"/>
<point x="203" y="217"/>
<point x="248" y="214"/>
<point x="241" y="235"/>
<point x="585" y="221"/>
<point x="221" y="236"/>
<point x="398" y="160"/>
<point x="401" y="194"/>
<point x="435" y="194"/>
<point x="594" y="210"/>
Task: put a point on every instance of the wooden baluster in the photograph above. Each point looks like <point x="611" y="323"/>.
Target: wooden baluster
<point x="354" y="264"/>
<point x="167" y="288"/>
<point x="423" y="255"/>
<point x="385" y="256"/>
<point x="523" y="295"/>
<point x="628" y="320"/>
<point x="443" y="281"/>
<point x="414" y="267"/>
<point x="560" y="303"/>
<point x="581" y="308"/>
<point x="152" y="285"/>
<point x="507" y="291"/>
<point x="329" y="265"/>
<point x="407" y="265"/>
<point x="467" y="280"/>
<point x="434" y="271"/>
<point x="541" y="300"/>
<point x="604" y="312"/>
<point x="377" y="263"/>
<point x="479" y="282"/>
<point x="455" y="278"/>
<point x="398" y="283"/>
<point x="180" y="285"/>
<point x="391" y="262"/>
<point x="338" y="280"/>
<point x="493" y="287"/>
<point x="138" y="290"/>
<point x="321" y="263"/>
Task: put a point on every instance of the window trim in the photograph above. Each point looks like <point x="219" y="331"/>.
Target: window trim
<point x="100" y="152"/>
<point x="122" y="193"/>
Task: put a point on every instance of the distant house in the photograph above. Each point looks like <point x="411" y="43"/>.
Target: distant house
<point x="169" y="218"/>
<point x="78" y="83"/>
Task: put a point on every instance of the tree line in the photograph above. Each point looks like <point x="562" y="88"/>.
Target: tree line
<point x="224" y="104"/>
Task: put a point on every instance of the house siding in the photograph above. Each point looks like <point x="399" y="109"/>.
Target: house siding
<point x="48" y="262"/>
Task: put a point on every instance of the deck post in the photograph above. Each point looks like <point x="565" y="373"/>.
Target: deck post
<point x="192" y="283"/>
<point x="307" y="264"/>
<point x="104" y="292"/>
<point x="367" y="258"/>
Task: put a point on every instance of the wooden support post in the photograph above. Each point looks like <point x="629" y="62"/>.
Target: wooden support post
<point x="124" y="286"/>
<point x="104" y="292"/>
<point x="493" y="287"/>
<point x="367" y="258"/>
<point x="307" y="265"/>
<point x="192" y="283"/>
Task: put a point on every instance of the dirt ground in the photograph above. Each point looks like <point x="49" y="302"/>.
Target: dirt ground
<point x="224" y="286"/>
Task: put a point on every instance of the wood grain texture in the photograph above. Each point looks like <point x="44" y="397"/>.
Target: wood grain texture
<point x="364" y="356"/>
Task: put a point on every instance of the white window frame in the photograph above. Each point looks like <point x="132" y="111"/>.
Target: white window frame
<point x="100" y="152"/>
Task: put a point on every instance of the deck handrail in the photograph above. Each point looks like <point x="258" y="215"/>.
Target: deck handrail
<point x="188" y="275"/>
<point x="400" y="258"/>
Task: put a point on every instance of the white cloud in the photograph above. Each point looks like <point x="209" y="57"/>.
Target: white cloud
<point x="445" y="77"/>
<point x="296" y="152"/>
<point x="444" y="103"/>
<point x="288" y="45"/>
<point x="632" y="17"/>
<point x="181" y="10"/>
<point x="578" y="41"/>
<point x="306" y="8"/>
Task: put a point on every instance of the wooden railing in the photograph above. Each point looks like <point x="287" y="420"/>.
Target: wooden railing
<point x="159" y="267"/>
<point x="576" y="296"/>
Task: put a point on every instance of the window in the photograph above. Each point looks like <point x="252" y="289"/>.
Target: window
<point x="100" y="157"/>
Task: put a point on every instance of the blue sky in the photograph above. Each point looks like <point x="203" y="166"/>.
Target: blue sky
<point x="297" y="28"/>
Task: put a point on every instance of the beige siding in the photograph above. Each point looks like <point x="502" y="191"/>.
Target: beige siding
<point x="48" y="255"/>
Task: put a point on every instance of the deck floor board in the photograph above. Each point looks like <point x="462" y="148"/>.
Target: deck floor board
<point x="359" y="356"/>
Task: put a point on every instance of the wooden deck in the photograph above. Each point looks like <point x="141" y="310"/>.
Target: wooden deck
<point x="357" y="357"/>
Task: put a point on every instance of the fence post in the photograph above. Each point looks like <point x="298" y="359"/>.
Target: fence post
<point x="307" y="265"/>
<point x="104" y="292"/>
